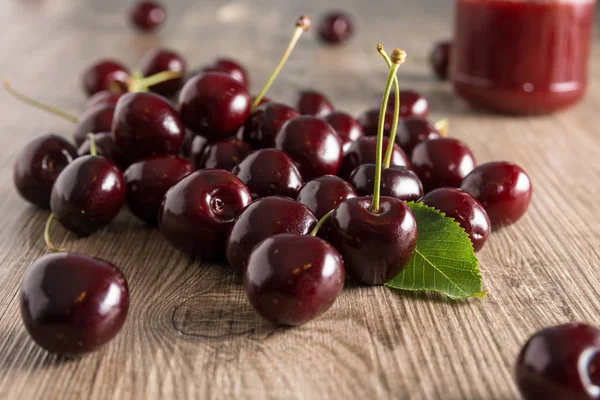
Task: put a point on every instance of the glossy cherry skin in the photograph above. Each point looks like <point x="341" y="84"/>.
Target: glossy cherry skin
<point x="103" y="98"/>
<point x="412" y="131"/>
<point x="88" y="194"/>
<point x="144" y="125"/>
<point x="311" y="102"/>
<point x="347" y="128"/>
<point x="336" y="28"/>
<point x="412" y="104"/>
<point x="262" y="219"/>
<point x="369" y="122"/>
<point x="465" y="210"/>
<point x="231" y="68"/>
<point x="100" y="75"/>
<point x="147" y="15"/>
<point x="269" y="172"/>
<point x="313" y="145"/>
<point x="224" y="154"/>
<point x="72" y="303"/>
<point x="39" y="164"/>
<point x="442" y="162"/>
<point x="94" y="120"/>
<point x="364" y="151"/>
<point x="398" y="182"/>
<point x="263" y="125"/>
<point x="148" y="181"/>
<point x="214" y="105"/>
<point x="324" y="193"/>
<point x="105" y="145"/>
<point x="440" y="59"/>
<point x="160" y="60"/>
<point x="560" y="363"/>
<point x="502" y="188"/>
<point x="291" y="280"/>
<point x="198" y="212"/>
<point x="375" y="246"/>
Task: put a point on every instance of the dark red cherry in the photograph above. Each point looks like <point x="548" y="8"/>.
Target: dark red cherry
<point x="103" y="98"/>
<point x="160" y="60"/>
<point x="224" y="154"/>
<point x="398" y="182"/>
<point x="560" y="363"/>
<point x="39" y="164"/>
<point x="147" y="15"/>
<point x="412" y="104"/>
<point x="313" y="145"/>
<point x="311" y="102"/>
<point x="269" y="172"/>
<point x="347" y="128"/>
<point x="231" y="68"/>
<point x="103" y="75"/>
<point x="412" y="131"/>
<point x="144" y="125"/>
<point x="291" y="280"/>
<point x="440" y="59"/>
<point x="442" y="162"/>
<point x="72" y="303"/>
<point x="364" y="151"/>
<point x="94" y="120"/>
<point x="105" y="145"/>
<point x="214" y="105"/>
<point x="198" y="212"/>
<point x="336" y="27"/>
<point x="369" y="121"/>
<point x="88" y="194"/>
<point x="465" y="210"/>
<point x="262" y="219"/>
<point x="264" y="124"/>
<point x="324" y="193"/>
<point x="148" y="181"/>
<point x="502" y="188"/>
<point x="375" y="246"/>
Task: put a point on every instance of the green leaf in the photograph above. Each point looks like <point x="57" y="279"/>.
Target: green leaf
<point x="444" y="260"/>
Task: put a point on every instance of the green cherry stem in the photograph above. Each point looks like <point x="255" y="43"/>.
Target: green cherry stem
<point x="398" y="57"/>
<point x="137" y="82"/>
<point x="390" y="148"/>
<point x="92" y="139"/>
<point x="49" y="244"/>
<point x="302" y="25"/>
<point x="320" y="223"/>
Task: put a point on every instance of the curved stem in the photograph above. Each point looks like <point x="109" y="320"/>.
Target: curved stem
<point x="92" y="139"/>
<point x="49" y="243"/>
<point x="302" y="26"/>
<point x="442" y="126"/>
<point x="320" y="223"/>
<point x="38" y="104"/>
<point x="390" y="148"/>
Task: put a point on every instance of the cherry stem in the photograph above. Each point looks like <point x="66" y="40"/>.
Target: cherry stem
<point x="137" y="82"/>
<point x="320" y="223"/>
<point x="92" y="139"/>
<point x="398" y="57"/>
<point x="442" y="126"/>
<point x="49" y="243"/>
<point x="38" y="104"/>
<point x="302" y="25"/>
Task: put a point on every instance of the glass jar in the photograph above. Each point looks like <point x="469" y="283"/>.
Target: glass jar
<point x="522" y="56"/>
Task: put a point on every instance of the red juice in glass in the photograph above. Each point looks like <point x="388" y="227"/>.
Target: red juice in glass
<point x="522" y="57"/>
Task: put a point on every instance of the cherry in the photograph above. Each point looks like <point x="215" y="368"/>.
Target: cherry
<point x="440" y="59"/>
<point x="398" y="182"/>
<point x="311" y="102"/>
<point x="159" y="60"/>
<point x="313" y="145"/>
<point x="198" y="212"/>
<point x="502" y="188"/>
<point x="291" y="280"/>
<point x="147" y="182"/>
<point x="269" y="172"/>
<point x="336" y="28"/>
<point x="188" y="138"/>
<point x="93" y="120"/>
<point x="224" y="154"/>
<point x="442" y="162"/>
<point x="198" y="145"/>
<point x="145" y="124"/>
<point x="214" y="105"/>
<point x="39" y="164"/>
<point x="73" y="304"/>
<point x="347" y="128"/>
<point x="369" y="120"/>
<point x="364" y="150"/>
<point x="262" y="219"/>
<point x="264" y="124"/>
<point x="105" y="145"/>
<point x="562" y="363"/>
<point x="465" y="210"/>
<point x="103" y="98"/>
<point x="231" y="68"/>
<point x="323" y="194"/>
<point x="147" y="15"/>
<point x="105" y="75"/>
<point x="414" y="130"/>
<point x="412" y="104"/>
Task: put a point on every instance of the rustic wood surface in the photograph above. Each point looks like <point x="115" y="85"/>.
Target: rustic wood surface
<point x="191" y="333"/>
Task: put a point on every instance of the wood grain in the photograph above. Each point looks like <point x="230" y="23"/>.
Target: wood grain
<point x="191" y="333"/>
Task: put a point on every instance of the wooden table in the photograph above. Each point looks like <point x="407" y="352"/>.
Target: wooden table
<point x="191" y="333"/>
